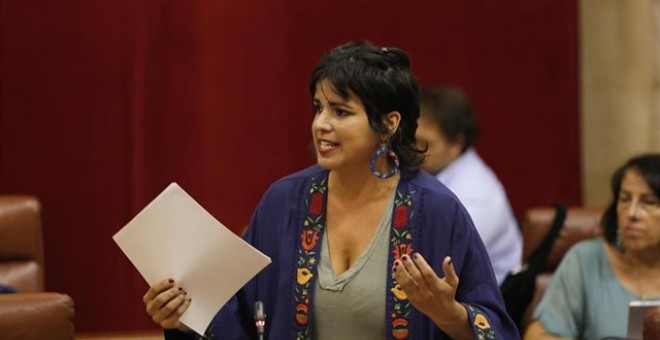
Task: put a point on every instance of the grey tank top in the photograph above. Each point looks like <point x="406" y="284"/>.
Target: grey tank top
<point x="352" y="305"/>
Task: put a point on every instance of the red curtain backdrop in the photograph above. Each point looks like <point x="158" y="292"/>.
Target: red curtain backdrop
<point x="104" y="103"/>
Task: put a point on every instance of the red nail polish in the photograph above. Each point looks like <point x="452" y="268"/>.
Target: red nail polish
<point x="404" y="258"/>
<point x="394" y="269"/>
<point x="396" y="263"/>
<point x="416" y="256"/>
<point x="185" y="293"/>
<point x="170" y="280"/>
<point x="180" y="288"/>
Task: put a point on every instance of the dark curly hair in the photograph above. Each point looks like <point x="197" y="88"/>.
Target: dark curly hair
<point x="382" y="78"/>
<point x="649" y="167"/>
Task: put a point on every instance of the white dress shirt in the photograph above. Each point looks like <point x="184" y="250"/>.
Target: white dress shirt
<point x="483" y="196"/>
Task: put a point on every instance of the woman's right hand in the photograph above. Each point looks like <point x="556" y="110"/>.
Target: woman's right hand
<point x="165" y="302"/>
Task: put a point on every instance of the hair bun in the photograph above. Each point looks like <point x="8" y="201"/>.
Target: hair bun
<point x="396" y="57"/>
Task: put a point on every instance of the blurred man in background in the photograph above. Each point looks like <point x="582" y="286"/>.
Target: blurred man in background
<point x="448" y="127"/>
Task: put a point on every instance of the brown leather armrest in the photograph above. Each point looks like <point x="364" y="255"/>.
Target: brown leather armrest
<point x="30" y="316"/>
<point x="21" y="249"/>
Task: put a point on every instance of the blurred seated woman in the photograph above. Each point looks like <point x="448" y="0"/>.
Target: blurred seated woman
<point x="590" y="291"/>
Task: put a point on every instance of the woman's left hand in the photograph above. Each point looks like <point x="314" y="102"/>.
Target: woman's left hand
<point x="431" y="295"/>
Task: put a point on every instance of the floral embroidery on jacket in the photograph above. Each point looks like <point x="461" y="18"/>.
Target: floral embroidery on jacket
<point x="308" y="253"/>
<point x="400" y="244"/>
<point x="480" y="324"/>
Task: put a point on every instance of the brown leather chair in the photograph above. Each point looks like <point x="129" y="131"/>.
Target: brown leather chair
<point x="30" y="313"/>
<point x="581" y="223"/>
<point x="36" y="316"/>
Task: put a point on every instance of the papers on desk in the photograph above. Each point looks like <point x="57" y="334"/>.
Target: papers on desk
<point x="174" y="237"/>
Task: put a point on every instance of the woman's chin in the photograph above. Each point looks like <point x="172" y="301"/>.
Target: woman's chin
<point x="326" y="164"/>
<point x="637" y="245"/>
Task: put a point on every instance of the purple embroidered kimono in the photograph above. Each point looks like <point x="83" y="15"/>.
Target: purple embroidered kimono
<point x="427" y="218"/>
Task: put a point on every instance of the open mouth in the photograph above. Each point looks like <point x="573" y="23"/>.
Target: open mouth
<point x="326" y="146"/>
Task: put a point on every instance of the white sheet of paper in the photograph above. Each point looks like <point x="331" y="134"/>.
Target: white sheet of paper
<point x="175" y="237"/>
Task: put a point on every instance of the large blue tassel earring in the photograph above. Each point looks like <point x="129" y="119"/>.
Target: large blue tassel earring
<point x="384" y="149"/>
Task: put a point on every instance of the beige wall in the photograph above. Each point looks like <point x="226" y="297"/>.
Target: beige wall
<point x="620" y="87"/>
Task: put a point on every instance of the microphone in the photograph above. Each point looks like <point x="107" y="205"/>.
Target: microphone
<point x="260" y="319"/>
